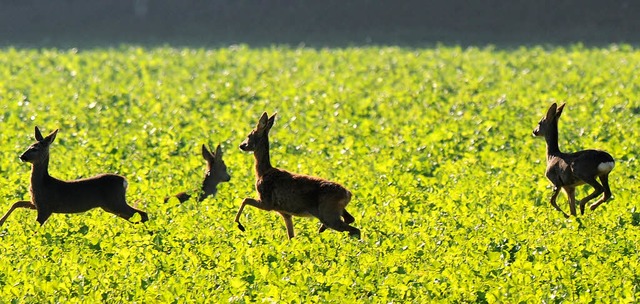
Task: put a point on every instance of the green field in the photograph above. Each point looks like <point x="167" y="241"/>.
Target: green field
<point x="435" y="144"/>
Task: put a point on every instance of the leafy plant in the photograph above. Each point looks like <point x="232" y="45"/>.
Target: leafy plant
<point x="435" y="144"/>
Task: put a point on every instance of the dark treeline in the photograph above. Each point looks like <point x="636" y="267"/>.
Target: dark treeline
<point x="316" y="23"/>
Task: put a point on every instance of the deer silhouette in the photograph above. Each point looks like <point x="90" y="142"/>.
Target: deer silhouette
<point x="216" y="173"/>
<point x="50" y="195"/>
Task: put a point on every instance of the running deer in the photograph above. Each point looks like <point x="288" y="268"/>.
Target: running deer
<point x="50" y="195"/>
<point x="568" y="170"/>
<point x="292" y="194"/>
<point x="216" y="173"/>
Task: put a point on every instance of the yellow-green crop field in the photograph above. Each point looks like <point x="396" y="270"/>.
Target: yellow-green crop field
<point x="435" y="144"/>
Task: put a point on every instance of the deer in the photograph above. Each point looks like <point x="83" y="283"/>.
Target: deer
<point x="566" y="171"/>
<point x="216" y="173"/>
<point x="51" y="195"/>
<point x="291" y="194"/>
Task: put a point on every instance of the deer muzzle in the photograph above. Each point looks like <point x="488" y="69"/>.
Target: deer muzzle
<point x="23" y="157"/>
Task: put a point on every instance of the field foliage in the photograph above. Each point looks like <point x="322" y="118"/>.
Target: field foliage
<point x="449" y="187"/>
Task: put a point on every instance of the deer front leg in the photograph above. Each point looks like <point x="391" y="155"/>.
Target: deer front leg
<point x="16" y="205"/>
<point x="43" y="215"/>
<point x="289" y="223"/>
<point x="571" y="193"/>
<point x="251" y="202"/>
<point x="556" y="190"/>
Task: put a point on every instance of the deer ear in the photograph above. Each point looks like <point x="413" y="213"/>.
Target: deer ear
<point x="218" y="154"/>
<point x="38" y="134"/>
<point x="49" y="139"/>
<point x="559" y="110"/>
<point x="271" y="120"/>
<point x="206" y="154"/>
<point x="551" y="113"/>
<point x="263" y="121"/>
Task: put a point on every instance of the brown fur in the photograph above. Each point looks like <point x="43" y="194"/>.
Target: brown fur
<point x="292" y="194"/>
<point x="568" y="170"/>
<point x="51" y="195"/>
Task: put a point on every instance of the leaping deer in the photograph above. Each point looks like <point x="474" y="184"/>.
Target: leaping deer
<point x="292" y="194"/>
<point x="568" y="170"/>
<point x="216" y="173"/>
<point x="51" y="195"/>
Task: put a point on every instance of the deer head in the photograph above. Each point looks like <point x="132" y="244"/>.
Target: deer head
<point x="548" y="120"/>
<point x="216" y="169"/>
<point x="259" y="133"/>
<point x="39" y="151"/>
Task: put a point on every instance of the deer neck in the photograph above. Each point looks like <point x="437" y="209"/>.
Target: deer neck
<point x="39" y="172"/>
<point x="551" y="137"/>
<point x="205" y="192"/>
<point x="261" y="154"/>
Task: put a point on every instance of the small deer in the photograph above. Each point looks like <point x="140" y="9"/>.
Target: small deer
<point x="568" y="170"/>
<point x="292" y="194"/>
<point x="216" y="173"/>
<point x="50" y="195"/>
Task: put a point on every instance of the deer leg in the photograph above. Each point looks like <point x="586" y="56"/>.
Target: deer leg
<point x="598" y="189"/>
<point x="250" y="202"/>
<point x="143" y="215"/>
<point x="556" y="191"/>
<point x="43" y="215"/>
<point x="16" y="205"/>
<point x="123" y="210"/>
<point x="128" y="213"/>
<point x="289" y="223"/>
<point x="337" y="224"/>
<point x="322" y="228"/>
<point x="348" y="218"/>
<point x="329" y="215"/>
<point x="607" y="192"/>
<point x="571" y="193"/>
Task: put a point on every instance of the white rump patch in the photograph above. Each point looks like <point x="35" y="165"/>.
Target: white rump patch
<point x="606" y="167"/>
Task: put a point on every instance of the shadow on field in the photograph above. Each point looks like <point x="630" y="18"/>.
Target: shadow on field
<point x="328" y="23"/>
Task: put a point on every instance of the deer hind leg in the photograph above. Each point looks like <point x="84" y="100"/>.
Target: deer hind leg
<point x="16" y="205"/>
<point x="553" y="202"/>
<point x="348" y="218"/>
<point x="143" y="215"/>
<point x="598" y="189"/>
<point x="607" y="192"/>
<point x="123" y="210"/>
<point x="335" y="223"/>
<point x="330" y="218"/>
<point x="128" y="213"/>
